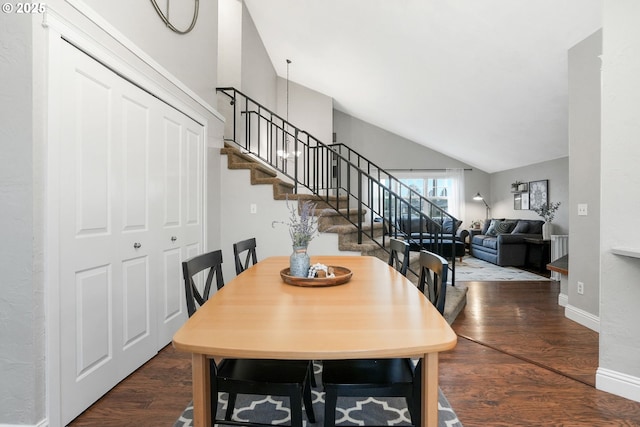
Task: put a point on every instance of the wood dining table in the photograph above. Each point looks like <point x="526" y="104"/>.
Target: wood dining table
<point x="378" y="313"/>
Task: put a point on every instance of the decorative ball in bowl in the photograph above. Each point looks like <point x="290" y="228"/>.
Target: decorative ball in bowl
<point x="332" y="276"/>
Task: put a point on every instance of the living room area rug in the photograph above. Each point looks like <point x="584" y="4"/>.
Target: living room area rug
<point x="472" y="269"/>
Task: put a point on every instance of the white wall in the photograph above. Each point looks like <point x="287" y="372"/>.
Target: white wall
<point x="191" y="58"/>
<point x="309" y="110"/>
<point x="619" y="370"/>
<point x="258" y="74"/>
<point x="22" y="302"/>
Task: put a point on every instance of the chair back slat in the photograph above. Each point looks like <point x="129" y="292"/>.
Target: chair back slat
<point x="399" y="255"/>
<point x="250" y="258"/>
<point x="433" y="278"/>
<point x="191" y="267"/>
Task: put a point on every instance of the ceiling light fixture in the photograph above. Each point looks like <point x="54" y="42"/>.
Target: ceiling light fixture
<point x="285" y="153"/>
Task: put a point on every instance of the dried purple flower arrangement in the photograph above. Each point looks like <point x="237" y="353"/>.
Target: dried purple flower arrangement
<point x="304" y="227"/>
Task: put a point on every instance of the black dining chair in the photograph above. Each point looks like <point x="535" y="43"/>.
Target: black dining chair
<point x="399" y="255"/>
<point x="433" y="278"/>
<point x="246" y="376"/>
<point x="386" y="377"/>
<point x="247" y="249"/>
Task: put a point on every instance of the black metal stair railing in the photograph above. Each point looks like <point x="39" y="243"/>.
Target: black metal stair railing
<point x="342" y="178"/>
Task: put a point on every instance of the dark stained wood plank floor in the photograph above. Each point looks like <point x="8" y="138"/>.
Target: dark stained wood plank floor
<point x="153" y="396"/>
<point x="525" y="320"/>
<point x="515" y="369"/>
<point x="525" y="364"/>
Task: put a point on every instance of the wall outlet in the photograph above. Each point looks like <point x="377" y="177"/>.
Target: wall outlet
<point x="253" y="208"/>
<point x="583" y="209"/>
<point x="581" y="288"/>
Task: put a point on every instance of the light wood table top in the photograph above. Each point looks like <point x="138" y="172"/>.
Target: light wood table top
<point x="377" y="314"/>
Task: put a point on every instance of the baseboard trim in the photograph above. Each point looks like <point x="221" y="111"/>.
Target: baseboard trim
<point x="563" y="300"/>
<point x="582" y="317"/>
<point x="619" y="384"/>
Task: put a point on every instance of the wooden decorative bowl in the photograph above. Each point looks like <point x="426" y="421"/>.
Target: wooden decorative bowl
<point x="342" y="276"/>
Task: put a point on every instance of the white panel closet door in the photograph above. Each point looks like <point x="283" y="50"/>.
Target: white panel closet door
<point x="118" y="179"/>
<point x="181" y="146"/>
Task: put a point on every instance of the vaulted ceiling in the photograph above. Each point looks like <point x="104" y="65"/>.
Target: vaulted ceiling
<point x="482" y="81"/>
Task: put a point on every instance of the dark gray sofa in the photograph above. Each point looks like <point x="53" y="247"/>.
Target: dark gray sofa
<point x="503" y="244"/>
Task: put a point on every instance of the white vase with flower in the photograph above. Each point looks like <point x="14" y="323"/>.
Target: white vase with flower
<point x="303" y="228"/>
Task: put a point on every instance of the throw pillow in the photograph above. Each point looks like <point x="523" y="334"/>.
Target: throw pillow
<point x="491" y="231"/>
<point x="521" y="227"/>
<point x="535" y="227"/>
<point x="505" y="227"/>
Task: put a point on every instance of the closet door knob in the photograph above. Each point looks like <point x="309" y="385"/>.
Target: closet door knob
<point x="174" y="238"/>
<point x="137" y="245"/>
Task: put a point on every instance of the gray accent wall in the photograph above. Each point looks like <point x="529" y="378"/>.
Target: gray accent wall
<point x="584" y="184"/>
<point x="555" y="171"/>
<point x="619" y="370"/>
<point x="393" y="152"/>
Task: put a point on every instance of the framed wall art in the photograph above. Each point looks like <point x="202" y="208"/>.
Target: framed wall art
<point x="538" y="193"/>
<point x="517" y="201"/>
<point x="524" y="202"/>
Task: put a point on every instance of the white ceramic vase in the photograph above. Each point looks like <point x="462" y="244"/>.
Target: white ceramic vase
<point x="547" y="229"/>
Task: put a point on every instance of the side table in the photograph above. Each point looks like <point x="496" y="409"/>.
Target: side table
<point x="538" y="253"/>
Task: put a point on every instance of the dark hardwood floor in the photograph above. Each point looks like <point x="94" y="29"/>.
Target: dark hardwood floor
<point x="518" y="362"/>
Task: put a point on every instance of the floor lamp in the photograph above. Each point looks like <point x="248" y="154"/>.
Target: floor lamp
<point x="479" y="197"/>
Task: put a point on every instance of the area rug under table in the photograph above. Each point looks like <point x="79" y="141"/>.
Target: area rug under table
<point x="351" y="411"/>
<point x="472" y="269"/>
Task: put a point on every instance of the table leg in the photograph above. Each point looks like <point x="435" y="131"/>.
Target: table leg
<point x="201" y="390"/>
<point x="430" y="390"/>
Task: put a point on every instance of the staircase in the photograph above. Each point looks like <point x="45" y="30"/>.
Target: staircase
<point x="330" y="220"/>
<point x="353" y="196"/>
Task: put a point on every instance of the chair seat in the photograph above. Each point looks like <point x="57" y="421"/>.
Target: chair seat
<point x="280" y="372"/>
<point x="365" y="373"/>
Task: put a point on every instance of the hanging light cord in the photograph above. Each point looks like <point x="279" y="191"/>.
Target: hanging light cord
<point x="288" y="62"/>
<point x="168" y="24"/>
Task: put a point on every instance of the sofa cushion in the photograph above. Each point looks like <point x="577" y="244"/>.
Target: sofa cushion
<point x="521" y="227"/>
<point x="490" y="242"/>
<point x="478" y="239"/>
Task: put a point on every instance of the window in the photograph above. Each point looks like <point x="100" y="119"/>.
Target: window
<point x="443" y="189"/>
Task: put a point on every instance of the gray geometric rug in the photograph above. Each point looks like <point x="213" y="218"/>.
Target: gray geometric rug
<point x="472" y="269"/>
<point x="350" y="411"/>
